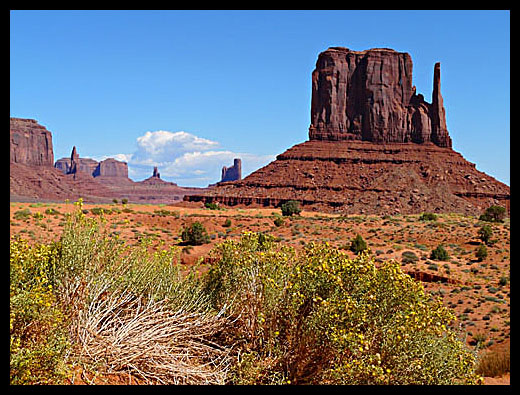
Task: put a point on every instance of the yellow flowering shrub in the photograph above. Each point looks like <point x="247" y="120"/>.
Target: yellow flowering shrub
<point x="320" y="317"/>
<point x="37" y="339"/>
<point x="93" y="301"/>
<point x="285" y="317"/>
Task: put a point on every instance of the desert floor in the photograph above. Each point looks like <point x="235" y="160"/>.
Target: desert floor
<point x="472" y="289"/>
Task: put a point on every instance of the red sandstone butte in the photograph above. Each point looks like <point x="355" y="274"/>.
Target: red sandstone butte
<point x="111" y="168"/>
<point x="156" y="173"/>
<point x="156" y="180"/>
<point x="107" y="168"/>
<point x="369" y="96"/>
<point x="232" y="173"/>
<point x="33" y="178"/>
<point x="31" y="143"/>
<point x="375" y="147"/>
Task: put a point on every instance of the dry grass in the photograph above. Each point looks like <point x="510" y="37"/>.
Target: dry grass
<point x="494" y="363"/>
<point x="133" y="312"/>
<point x="124" y="332"/>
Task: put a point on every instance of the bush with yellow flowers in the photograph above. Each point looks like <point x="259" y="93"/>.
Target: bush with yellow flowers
<point x="92" y="302"/>
<point x="263" y="314"/>
<point x="37" y="339"/>
<point x="319" y="317"/>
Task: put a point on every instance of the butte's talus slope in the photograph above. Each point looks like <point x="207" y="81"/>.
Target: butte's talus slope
<point x="375" y="146"/>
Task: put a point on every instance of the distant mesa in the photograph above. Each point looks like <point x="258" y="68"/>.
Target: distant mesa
<point x="231" y="173"/>
<point x="375" y="147"/>
<point x="111" y="168"/>
<point x="106" y="168"/>
<point x="35" y="177"/>
<point x="32" y="174"/>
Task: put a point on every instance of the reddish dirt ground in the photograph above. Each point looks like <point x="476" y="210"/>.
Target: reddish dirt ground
<point x="477" y="291"/>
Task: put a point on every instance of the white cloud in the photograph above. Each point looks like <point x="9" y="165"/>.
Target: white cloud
<point x="120" y="157"/>
<point x="185" y="159"/>
<point x="161" y="145"/>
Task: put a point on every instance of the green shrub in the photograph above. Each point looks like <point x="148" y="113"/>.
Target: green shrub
<point x="439" y="254"/>
<point x="52" y="211"/>
<point x="428" y="217"/>
<point x="278" y="221"/>
<point x="481" y="252"/>
<point x="22" y="214"/>
<point x="503" y="281"/>
<point x="358" y="244"/>
<point x="124" y="201"/>
<point x="99" y="211"/>
<point x="479" y="338"/>
<point x="195" y="234"/>
<point x="227" y="223"/>
<point x="124" y="309"/>
<point x="485" y="233"/>
<point x="318" y="317"/>
<point x="290" y="208"/>
<point x="212" y="206"/>
<point x="433" y="266"/>
<point x="165" y="213"/>
<point x="409" y="257"/>
<point x="494" y="214"/>
<point x="38" y="215"/>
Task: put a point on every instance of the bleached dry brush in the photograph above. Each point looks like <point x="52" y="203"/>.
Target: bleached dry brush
<point x="126" y="333"/>
<point x="133" y="312"/>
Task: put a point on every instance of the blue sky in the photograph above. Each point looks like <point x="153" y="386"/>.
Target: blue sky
<point x="190" y="90"/>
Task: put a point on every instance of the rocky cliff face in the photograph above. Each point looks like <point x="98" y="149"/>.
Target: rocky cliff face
<point x="108" y="168"/>
<point x="376" y="147"/>
<point x="368" y="95"/>
<point x="111" y="168"/>
<point x="31" y="143"/>
<point x="232" y="173"/>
